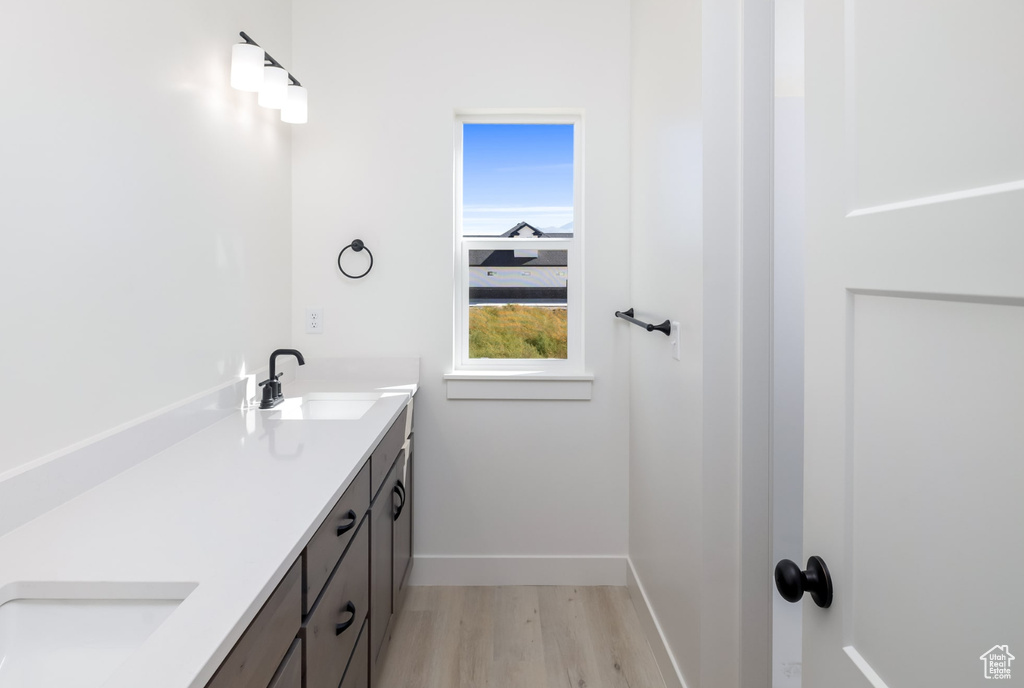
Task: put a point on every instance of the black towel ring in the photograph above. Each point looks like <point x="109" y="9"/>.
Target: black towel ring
<point x="357" y="245"/>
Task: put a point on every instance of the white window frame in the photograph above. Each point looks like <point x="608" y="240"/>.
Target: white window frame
<point x="573" y="364"/>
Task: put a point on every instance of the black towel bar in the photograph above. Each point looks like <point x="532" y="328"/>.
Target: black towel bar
<point x="665" y="327"/>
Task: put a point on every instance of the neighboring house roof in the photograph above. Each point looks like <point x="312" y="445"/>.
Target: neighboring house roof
<point x="508" y="259"/>
<point x="524" y="230"/>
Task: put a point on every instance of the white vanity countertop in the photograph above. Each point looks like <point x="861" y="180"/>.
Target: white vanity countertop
<point x="228" y="509"/>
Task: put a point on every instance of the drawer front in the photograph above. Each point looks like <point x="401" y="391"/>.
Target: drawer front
<point x="387" y="451"/>
<point x="329" y="542"/>
<point x="382" y="515"/>
<point x="289" y="674"/>
<point x="258" y="653"/>
<point x="358" y="673"/>
<point x="327" y="649"/>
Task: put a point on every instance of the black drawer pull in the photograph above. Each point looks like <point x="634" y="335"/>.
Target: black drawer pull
<point x="345" y="527"/>
<point x="400" y="491"/>
<point x="340" y="628"/>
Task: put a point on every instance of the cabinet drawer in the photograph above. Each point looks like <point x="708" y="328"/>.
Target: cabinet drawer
<point x="289" y="674"/>
<point x="327" y="648"/>
<point x="387" y="451"/>
<point x="358" y="673"/>
<point x="329" y="542"/>
<point x="258" y="653"/>
<point x="382" y="518"/>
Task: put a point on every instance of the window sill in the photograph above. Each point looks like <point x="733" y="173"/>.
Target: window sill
<point x="518" y="385"/>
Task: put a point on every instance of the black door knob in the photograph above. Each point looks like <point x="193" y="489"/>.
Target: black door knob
<point x="792" y="583"/>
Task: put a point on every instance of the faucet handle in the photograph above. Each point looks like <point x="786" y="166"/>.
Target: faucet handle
<point x="271" y="379"/>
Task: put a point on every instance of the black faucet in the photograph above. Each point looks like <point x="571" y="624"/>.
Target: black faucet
<point x="272" y="386"/>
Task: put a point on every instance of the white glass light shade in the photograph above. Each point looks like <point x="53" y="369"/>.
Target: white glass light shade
<point x="295" y="110"/>
<point x="274" y="90"/>
<point x="246" y="67"/>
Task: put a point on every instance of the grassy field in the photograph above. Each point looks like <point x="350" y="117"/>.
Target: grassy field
<point x="517" y="332"/>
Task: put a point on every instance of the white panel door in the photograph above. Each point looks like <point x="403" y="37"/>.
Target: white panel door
<point x="914" y="440"/>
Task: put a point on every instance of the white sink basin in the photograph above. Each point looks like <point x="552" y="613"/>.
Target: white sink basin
<point x="75" y="635"/>
<point x="326" y="406"/>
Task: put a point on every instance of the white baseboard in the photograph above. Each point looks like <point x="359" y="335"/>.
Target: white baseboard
<point x="518" y="570"/>
<point x="670" y="671"/>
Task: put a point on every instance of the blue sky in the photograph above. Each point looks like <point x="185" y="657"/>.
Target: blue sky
<point x="515" y="173"/>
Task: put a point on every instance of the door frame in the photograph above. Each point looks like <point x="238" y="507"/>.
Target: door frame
<point x="757" y="112"/>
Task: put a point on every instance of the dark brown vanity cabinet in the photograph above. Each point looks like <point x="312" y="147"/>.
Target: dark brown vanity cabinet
<point x="391" y="531"/>
<point x="289" y="674"/>
<point x="332" y="626"/>
<point x="264" y="647"/>
<point x="333" y="536"/>
<point x="402" y="546"/>
<point x="358" y="673"/>
<point x="382" y="517"/>
<point x="328" y="623"/>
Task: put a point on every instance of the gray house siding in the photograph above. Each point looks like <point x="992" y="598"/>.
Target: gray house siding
<point x="503" y="277"/>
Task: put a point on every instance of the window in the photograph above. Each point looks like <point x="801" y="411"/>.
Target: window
<point x="518" y="227"/>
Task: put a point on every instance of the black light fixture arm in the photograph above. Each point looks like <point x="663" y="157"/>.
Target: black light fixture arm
<point x="271" y="62"/>
<point x="665" y="327"/>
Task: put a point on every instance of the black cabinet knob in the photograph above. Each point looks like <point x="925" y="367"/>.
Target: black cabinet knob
<point x="792" y="583"/>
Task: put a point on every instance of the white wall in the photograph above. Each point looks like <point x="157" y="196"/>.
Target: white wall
<point x="494" y="478"/>
<point x="666" y="409"/>
<point x="685" y="417"/>
<point x="145" y="213"/>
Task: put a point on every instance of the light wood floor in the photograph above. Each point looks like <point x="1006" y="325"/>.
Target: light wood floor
<point x="519" y="637"/>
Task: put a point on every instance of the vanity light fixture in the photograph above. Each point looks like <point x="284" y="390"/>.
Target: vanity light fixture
<point x="274" y="89"/>
<point x="246" y="67"/>
<point x="254" y="70"/>
<point x="295" y="109"/>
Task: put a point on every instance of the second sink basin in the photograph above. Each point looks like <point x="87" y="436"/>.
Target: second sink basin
<point x="326" y="406"/>
<point x="77" y="634"/>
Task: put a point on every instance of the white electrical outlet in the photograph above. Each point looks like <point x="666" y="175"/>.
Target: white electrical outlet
<point x="314" y="320"/>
